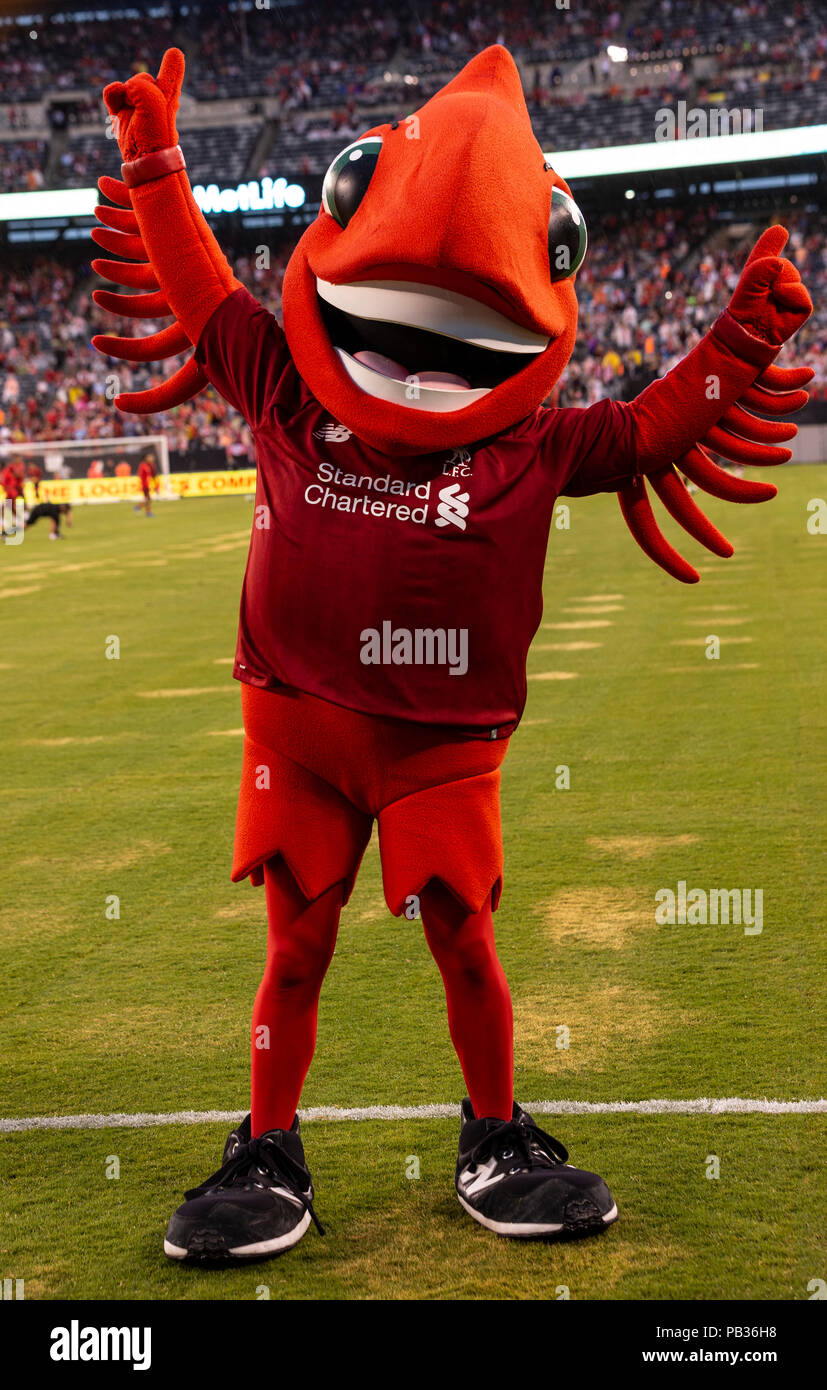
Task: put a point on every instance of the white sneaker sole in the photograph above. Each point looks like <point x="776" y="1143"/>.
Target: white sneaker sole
<point x="527" y="1229"/>
<point x="249" y="1252"/>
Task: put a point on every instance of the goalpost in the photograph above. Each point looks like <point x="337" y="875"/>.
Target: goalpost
<point x="90" y="470"/>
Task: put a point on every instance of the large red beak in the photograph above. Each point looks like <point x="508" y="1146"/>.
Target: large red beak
<point x="450" y="239"/>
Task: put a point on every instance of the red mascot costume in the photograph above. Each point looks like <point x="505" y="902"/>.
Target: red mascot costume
<point x="407" y="474"/>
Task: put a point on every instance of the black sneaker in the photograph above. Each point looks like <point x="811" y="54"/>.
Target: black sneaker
<point x="513" y="1178"/>
<point x="260" y="1202"/>
<point x="236" y="1137"/>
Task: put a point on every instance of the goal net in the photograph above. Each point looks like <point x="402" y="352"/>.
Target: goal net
<point x="88" y="470"/>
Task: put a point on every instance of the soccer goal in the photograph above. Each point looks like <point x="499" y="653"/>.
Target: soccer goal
<point x="89" y="470"/>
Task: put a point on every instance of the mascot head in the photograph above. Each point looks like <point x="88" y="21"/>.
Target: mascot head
<point x="432" y="302"/>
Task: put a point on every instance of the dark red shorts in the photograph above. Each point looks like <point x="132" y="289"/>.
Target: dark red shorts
<point x="315" y="776"/>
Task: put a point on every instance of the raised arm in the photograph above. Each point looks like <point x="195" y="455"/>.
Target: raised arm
<point x="158" y="223"/>
<point x="708" y="399"/>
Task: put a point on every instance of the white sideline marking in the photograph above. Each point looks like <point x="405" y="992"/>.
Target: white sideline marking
<point x="730" y="1105"/>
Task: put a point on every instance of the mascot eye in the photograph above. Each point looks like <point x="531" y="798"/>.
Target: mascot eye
<point x="567" y="240"/>
<point x="346" y="181"/>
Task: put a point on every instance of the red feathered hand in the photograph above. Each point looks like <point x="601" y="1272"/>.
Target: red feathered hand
<point x="124" y="238"/>
<point x="702" y="402"/>
<point x="157" y="223"/>
<point x="770" y="301"/>
<point x="144" y="108"/>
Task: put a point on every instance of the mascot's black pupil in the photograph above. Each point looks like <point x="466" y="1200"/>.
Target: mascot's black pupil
<point x="347" y="185"/>
<point x="566" y="236"/>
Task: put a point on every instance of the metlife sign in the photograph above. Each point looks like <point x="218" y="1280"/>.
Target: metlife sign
<point x="68" y="213"/>
<point x="268" y="195"/>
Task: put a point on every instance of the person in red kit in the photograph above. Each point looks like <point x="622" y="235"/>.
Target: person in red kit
<point x="407" y="473"/>
<point x="12" y="479"/>
<point x="146" y="473"/>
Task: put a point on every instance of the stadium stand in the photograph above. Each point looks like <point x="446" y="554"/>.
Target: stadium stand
<point x="650" y="287"/>
<point x="382" y="57"/>
<point x="267" y="103"/>
<point x="209" y="148"/>
<point x="23" y="165"/>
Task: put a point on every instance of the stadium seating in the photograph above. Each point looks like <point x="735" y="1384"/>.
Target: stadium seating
<point x="650" y="284"/>
<point x="22" y="163"/>
<point x="377" y="57"/>
<point x="650" y="287"/>
<point x="223" y="150"/>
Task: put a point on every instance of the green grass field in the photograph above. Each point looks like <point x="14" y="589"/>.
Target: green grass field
<point x="120" y="778"/>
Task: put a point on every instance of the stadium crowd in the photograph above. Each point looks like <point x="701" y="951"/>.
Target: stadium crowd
<point x="376" y="52"/>
<point x="651" y="284"/>
<point x="22" y="165"/>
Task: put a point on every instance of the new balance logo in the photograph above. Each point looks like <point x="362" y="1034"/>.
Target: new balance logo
<point x="453" y="507"/>
<point x="474" y="1180"/>
<point x="332" y="433"/>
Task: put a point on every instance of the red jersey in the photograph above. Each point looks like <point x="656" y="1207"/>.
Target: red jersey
<point x="403" y="587"/>
<point x="12" y="483"/>
<point x="146" y="471"/>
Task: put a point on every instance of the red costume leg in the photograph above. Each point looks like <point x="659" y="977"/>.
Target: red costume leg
<point x="300" y="942"/>
<point x="476" y="991"/>
<point x="314" y="776"/>
<point x="443" y="844"/>
<point x="305" y="840"/>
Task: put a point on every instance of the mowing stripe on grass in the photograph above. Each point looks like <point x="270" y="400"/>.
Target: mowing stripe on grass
<point x="723" y="665"/>
<point x="729" y="1105"/>
<point x="576" y="626"/>
<point x="700" y="641"/>
<point x="722" y="622"/>
<point x="575" y="608"/>
<point x="187" y="692"/>
<point x="565" y="646"/>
